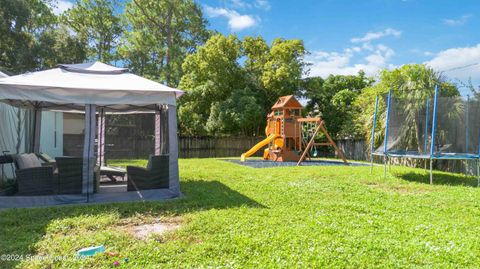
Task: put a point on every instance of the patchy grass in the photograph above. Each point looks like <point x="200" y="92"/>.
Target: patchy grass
<point x="235" y="216"/>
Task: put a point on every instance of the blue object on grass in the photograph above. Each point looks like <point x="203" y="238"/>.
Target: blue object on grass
<point x="87" y="252"/>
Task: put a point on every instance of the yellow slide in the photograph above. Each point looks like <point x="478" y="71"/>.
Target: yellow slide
<point x="258" y="146"/>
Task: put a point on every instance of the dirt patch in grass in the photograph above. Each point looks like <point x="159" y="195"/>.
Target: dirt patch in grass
<point x="157" y="228"/>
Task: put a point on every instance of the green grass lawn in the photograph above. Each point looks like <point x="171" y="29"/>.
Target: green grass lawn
<point x="235" y="216"/>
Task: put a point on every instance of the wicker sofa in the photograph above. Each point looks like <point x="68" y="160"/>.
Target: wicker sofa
<point x="33" y="177"/>
<point x="155" y="176"/>
<point x="62" y="176"/>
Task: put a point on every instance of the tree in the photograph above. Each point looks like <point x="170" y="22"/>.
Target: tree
<point x="334" y="98"/>
<point x="57" y="45"/>
<point x="274" y="70"/>
<point x="33" y="38"/>
<point x="97" y="24"/>
<point x="414" y="83"/>
<point x="211" y="75"/>
<point x="237" y="115"/>
<point x="160" y="35"/>
<point x="22" y="22"/>
<point x="225" y="97"/>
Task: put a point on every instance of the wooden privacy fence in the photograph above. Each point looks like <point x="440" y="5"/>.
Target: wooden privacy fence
<point x="119" y="147"/>
<point x="211" y="147"/>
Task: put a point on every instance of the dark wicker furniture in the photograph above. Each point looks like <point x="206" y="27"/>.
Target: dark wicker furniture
<point x="69" y="177"/>
<point x="34" y="180"/>
<point x="155" y="176"/>
<point x="70" y="172"/>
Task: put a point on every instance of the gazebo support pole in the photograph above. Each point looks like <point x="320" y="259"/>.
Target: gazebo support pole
<point x="88" y="151"/>
<point x="158" y="131"/>
<point x="37" y="128"/>
<point x="173" y="149"/>
<point x="101" y="138"/>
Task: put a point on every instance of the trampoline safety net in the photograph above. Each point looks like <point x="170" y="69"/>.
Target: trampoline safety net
<point x="411" y="122"/>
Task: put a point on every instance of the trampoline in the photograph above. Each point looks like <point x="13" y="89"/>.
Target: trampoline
<point x="421" y="127"/>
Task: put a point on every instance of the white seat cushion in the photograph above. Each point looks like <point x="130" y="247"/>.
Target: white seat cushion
<point x="25" y="161"/>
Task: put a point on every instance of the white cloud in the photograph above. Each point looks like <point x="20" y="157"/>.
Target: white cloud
<point x="366" y="56"/>
<point x="370" y="36"/>
<point x="458" y="63"/>
<point x="61" y="6"/>
<point x="325" y="63"/>
<point x="241" y="4"/>
<point x="236" y="21"/>
<point x="262" y="4"/>
<point x="456" y="22"/>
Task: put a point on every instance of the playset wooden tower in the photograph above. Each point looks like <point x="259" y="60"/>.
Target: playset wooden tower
<point x="289" y="136"/>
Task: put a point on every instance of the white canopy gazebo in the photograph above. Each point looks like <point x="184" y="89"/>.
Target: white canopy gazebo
<point x="93" y="88"/>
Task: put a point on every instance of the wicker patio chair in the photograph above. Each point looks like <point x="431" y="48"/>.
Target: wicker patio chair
<point x="35" y="181"/>
<point x="155" y="176"/>
<point x="32" y="178"/>
<point x="70" y="175"/>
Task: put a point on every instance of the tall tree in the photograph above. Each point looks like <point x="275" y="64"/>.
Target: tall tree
<point x="22" y="22"/>
<point x="275" y="70"/>
<point x="160" y="35"/>
<point x="33" y="39"/>
<point x="57" y="45"/>
<point x="412" y="82"/>
<point x="334" y="98"/>
<point x="97" y="23"/>
<point x="211" y="75"/>
<point x="232" y="84"/>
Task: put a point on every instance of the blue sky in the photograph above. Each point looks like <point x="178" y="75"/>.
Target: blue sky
<point x="346" y="36"/>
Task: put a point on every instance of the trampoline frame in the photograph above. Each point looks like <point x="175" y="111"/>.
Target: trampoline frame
<point x="415" y="155"/>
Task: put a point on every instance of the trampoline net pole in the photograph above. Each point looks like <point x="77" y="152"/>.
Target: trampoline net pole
<point x="385" y="166"/>
<point x="431" y="172"/>
<point x="372" y="141"/>
<point x="425" y="139"/>
<point x="478" y="172"/>
<point x="434" y="122"/>
<point x="385" y="141"/>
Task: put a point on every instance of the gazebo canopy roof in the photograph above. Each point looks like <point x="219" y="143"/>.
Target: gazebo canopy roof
<point x="71" y="87"/>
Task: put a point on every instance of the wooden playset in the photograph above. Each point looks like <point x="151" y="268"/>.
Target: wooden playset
<point x="289" y="136"/>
